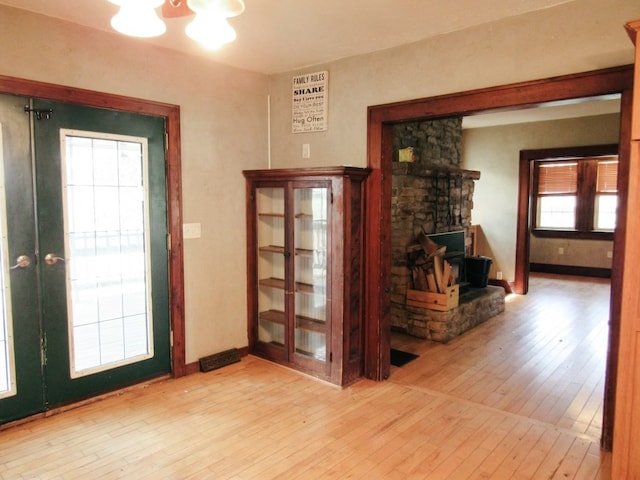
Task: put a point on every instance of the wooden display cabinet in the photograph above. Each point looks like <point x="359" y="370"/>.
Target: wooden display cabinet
<point x="305" y="269"/>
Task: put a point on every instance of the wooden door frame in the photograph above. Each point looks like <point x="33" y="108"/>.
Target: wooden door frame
<point x="526" y="207"/>
<point x="171" y="114"/>
<point x="380" y="156"/>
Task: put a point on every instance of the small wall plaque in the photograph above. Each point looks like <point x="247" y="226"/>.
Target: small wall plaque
<point x="309" y="102"/>
<point x="406" y="155"/>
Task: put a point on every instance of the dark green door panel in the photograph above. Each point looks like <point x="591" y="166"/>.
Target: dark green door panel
<point x="37" y="307"/>
<point x="60" y="387"/>
<point x="22" y="311"/>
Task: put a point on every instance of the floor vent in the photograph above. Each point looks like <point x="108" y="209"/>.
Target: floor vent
<point x="218" y="360"/>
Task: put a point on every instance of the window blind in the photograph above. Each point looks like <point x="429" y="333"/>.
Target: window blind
<point x="558" y="178"/>
<point x="607" y="176"/>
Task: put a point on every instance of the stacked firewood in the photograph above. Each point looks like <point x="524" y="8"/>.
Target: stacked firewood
<point x="429" y="269"/>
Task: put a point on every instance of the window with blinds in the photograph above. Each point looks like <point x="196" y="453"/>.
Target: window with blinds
<point x="577" y="194"/>
<point x="557" y="195"/>
<point x="607" y="176"/>
<point x="606" y="201"/>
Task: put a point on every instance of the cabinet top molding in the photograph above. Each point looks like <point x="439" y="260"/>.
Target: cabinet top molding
<point x="632" y="28"/>
<point x="307" y="172"/>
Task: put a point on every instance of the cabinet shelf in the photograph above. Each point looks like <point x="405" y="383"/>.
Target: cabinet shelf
<point x="310" y="324"/>
<point x="272" y="249"/>
<point x="272" y="282"/>
<point x="270" y="215"/>
<point x="310" y="289"/>
<point x="300" y="252"/>
<point x="302" y="322"/>
<point x="306" y="288"/>
<point x="275" y="316"/>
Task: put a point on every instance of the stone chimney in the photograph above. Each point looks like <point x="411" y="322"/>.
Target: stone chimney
<point x="431" y="194"/>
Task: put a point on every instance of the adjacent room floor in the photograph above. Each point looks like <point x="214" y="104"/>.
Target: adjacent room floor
<point x="519" y="396"/>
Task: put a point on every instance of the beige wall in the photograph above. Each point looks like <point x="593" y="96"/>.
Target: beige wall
<point x="579" y="253"/>
<point x="224" y="114"/>
<point x="578" y="36"/>
<point x="495" y="152"/>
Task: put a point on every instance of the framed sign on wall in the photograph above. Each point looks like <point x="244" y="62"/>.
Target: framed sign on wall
<point x="309" y="102"/>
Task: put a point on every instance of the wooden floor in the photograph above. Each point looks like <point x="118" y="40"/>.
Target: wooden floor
<point x="519" y="397"/>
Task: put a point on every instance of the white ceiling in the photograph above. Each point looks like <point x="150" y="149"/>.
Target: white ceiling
<point x="580" y="107"/>
<point x="276" y="36"/>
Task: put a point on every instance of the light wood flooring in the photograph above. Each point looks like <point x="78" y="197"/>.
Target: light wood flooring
<point x="518" y="397"/>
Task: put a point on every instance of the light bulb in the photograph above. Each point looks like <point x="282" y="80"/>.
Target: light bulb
<point x="137" y="18"/>
<point x="210" y="30"/>
<point x="226" y="8"/>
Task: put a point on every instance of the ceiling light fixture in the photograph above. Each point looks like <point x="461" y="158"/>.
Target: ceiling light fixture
<point x="137" y="18"/>
<point x="209" y="28"/>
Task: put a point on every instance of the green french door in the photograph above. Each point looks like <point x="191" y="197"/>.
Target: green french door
<point x="85" y="259"/>
<point x="21" y="376"/>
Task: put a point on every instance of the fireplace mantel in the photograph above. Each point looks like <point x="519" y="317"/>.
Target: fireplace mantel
<point x="431" y="171"/>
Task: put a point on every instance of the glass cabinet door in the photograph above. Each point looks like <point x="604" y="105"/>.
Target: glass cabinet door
<point x="270" y="204"/>
<point x="310" y="272"/>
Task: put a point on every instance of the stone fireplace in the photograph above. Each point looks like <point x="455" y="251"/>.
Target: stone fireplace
<point x="432" y="194"/>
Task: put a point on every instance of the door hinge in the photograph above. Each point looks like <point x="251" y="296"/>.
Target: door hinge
<point x="331" y="197"/>
<point x="166" y="141"/>
<point x="43" y="350"/>
<point x="171" y="338"/>
<point x="330" y="357"/>
<point x="41" y="113"/>
<point x="169" y="242"/>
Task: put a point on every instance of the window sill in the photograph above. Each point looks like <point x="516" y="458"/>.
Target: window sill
<point x="573" y="234"/>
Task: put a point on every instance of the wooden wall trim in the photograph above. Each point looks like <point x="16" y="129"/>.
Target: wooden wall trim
<point x="570" y="270"/>
<point x="624" y="460"/>
<point x="508" y="288"/>
<point x="516" y="95"/>
<point x="523" y="241"/>
<point x="171" y="114"/>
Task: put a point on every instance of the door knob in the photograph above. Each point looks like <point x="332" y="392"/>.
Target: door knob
<point x="21" y="262"/>
<point x="52" y="259"/>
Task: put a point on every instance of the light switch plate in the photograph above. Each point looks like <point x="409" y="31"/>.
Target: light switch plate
<point x="191" y="230"/>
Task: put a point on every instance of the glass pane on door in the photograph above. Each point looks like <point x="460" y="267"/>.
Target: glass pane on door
<point x="105" y="199"/>
<point x="7" y="367"/>
<point x="310" y="238"/>
<point x="271" y="266"/>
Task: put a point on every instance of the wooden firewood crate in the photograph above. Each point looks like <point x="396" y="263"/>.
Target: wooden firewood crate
<point x="435" y="301"/>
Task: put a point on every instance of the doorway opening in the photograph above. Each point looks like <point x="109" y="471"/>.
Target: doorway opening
<point x="380" y="157"/>
<point x="547" y="238"/>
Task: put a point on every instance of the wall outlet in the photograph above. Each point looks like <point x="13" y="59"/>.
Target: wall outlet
<point x="306" y="150"/>
<point x="499" y="275"/>
<point x="609" y="254"/>
<point x="560" y="251"/>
